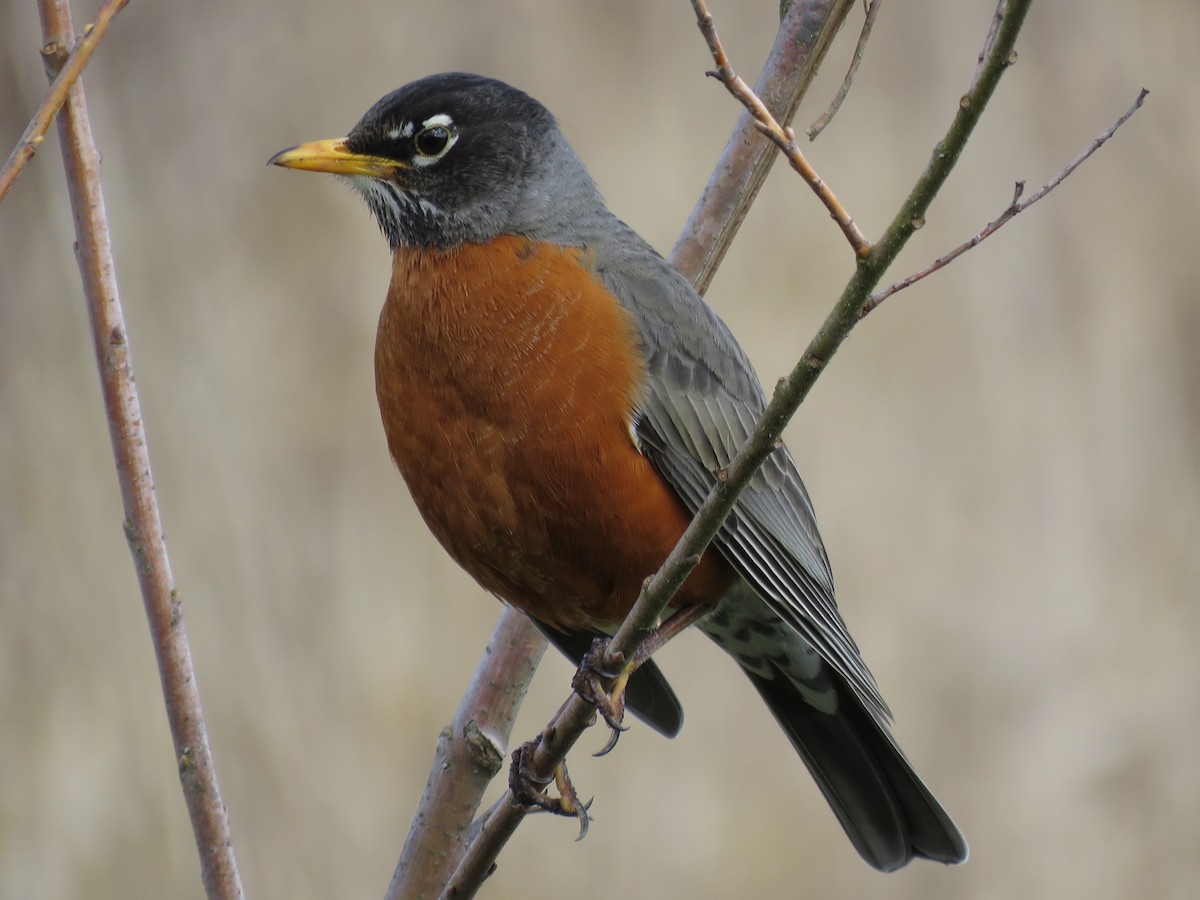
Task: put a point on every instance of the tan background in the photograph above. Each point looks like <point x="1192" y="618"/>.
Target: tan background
<point x="1004" y="459"/>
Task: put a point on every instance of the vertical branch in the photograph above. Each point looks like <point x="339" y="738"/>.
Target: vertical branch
<point x="143" y="527"/>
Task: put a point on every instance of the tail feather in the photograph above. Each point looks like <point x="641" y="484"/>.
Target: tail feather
<point x="887" y="812"/>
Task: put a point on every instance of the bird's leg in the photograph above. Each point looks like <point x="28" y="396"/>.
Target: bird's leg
<point x="605" y="689"/>
<point x="530" y="789"/>
<point x="668" y="628"/>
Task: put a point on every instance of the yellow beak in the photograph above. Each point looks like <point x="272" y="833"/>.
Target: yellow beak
<point x="333" y="157"/>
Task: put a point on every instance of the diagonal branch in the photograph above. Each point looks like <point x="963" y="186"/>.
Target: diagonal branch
<point x="804" y="36"/>
<point x="1014" y="208"/>
<point x="143" y="527"/>
<point x="470" y="752"/>
<point x="783" y="137"/>
<point x="792" y="390"/>
<point x="67" y="75"/>
<point x="989" y="42"/>
<point x="575" y="714"/>
<point x="999" y="55"/>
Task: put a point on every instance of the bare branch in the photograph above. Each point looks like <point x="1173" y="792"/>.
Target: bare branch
<point x="989" y="42"/>
<point x="470" y="752"/>
<point x="818" y="126"/>
<point x="999" y="55"/>
<point x="67" y="74"/>
<point x="784" y="138"/>
<point x="502" y="820"/>
<point x="1014" y="208"/>
<point x="804" y="36"/>
<point x="143" y="528"/>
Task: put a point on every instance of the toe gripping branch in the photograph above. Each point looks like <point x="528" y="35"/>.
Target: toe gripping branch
<point x="604" y="689"/>
<point x="529" y="788"/>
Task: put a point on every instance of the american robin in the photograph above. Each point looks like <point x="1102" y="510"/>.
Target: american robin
<point x="559" y="401"/>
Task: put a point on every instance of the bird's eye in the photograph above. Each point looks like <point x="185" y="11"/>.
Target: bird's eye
<point x="433" y="141"/>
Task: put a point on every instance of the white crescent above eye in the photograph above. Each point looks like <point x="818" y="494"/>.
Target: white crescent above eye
<point x="434" y="140"/>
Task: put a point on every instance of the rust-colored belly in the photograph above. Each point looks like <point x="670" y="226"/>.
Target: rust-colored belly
<point x="507" y="385"/>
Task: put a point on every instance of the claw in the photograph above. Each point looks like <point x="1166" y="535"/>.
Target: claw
<point x="530" y="789"/>
<point x="568" y="800"/>
<point x="584" y="820"/>
<point x="589" y="683"/>
<point x="614" y="735"/>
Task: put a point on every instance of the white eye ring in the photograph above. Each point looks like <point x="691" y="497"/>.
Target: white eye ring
<point x="434" y="140"/>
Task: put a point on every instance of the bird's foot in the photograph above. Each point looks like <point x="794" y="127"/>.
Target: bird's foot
<point x="529" y="788"/>
<point x="604" y="689"/>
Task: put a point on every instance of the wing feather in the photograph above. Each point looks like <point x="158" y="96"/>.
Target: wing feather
<point x="702" y="401"/>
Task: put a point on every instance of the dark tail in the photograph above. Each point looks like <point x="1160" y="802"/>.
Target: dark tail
<point x="888" y="814"/>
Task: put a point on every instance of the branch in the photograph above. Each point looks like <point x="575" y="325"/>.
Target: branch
<point x="576" y="714"/>
<point x="143" y="528"/>
<point x="868" y="23"/>
<point x="470" y="752"/>
<point x="67" y="74"/>
<point x="989" y="42"/>
<point x="998" y="56"/>
<point x="1015" y="207"/>
<point x="807" y="30"/>
<point x="783" y="137"/>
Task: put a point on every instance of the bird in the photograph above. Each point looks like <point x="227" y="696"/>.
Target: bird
<point x="559" y="401"/>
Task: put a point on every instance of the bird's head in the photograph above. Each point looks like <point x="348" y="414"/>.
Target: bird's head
<point x="458" y="158"/>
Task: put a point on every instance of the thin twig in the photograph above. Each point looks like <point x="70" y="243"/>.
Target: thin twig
<point x="470" y="752"/>
<point x="35" y="132"/>
<point x="575" y="714"/>
<point x="860" y="48"/>
<point x="1000" y="55"/>
<point x="143" y="527"/>
<point x="1014" y="208"/>
<point x="805" y="35"/>
<point x="782" y="137"/>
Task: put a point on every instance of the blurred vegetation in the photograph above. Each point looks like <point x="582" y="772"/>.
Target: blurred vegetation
<point x="1004" y="459"/>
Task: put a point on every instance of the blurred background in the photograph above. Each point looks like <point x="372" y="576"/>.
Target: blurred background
<point x="1004" y="459"/>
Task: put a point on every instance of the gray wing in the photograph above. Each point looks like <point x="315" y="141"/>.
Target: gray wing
<point x="702" y="402"/>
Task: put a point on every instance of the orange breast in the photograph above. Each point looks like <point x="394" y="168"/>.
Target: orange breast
<point x="507" y="384"/>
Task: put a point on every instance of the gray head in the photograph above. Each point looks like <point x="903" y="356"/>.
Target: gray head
<point x="458" y="158"/>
